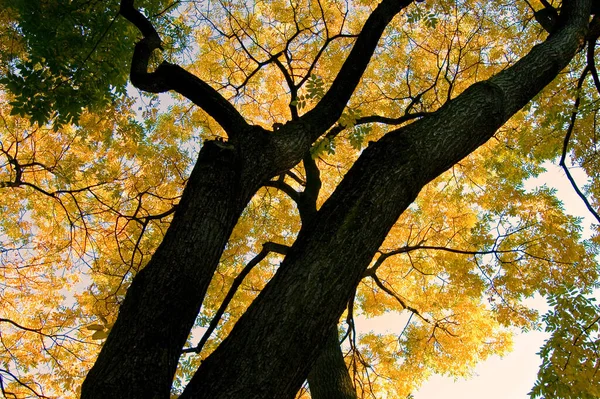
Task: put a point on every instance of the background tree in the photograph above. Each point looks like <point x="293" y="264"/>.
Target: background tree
<point x="336" y="115"/>
<point x="570" y="355"/>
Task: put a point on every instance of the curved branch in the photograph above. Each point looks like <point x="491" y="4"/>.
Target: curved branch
<point x="306" y="200"/>
<point x="436" y="323"/>
<point x="173" y="77"/>
<point x="592" y="38"/>
<point x="33" y="330"/>
<point x="286" y="188"/>
<point x="19" y="382"/>
<point x="409" y="248"/>
<point x="568" y="134"/>
<point x="337" y="129"/>
<point x="390" y="121"/>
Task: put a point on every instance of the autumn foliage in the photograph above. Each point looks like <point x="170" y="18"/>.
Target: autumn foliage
<point x="94" y="171"/>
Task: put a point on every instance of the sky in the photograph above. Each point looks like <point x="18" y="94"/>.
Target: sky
<point x="512" y="376"/>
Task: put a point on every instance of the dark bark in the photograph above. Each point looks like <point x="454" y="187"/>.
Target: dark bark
<point x="141" y="353"/>
<point x="139" y="358"/>
<point x="274" y="344"/>
<point x="271" y="349"/>
<point x="329" y="378"/>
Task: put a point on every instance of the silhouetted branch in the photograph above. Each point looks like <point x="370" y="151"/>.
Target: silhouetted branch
<point x="331" y="106"/>
<point x="268" y="247"/>
<point x="18" y="381"/>
<point x="172" y="77"/>
<point x="565" y="149"/>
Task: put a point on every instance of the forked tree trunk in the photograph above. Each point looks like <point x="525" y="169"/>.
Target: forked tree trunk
<point x="139" y="358"/>
<point x="271" y="349"/>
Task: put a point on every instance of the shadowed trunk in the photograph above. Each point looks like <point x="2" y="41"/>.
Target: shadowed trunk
<point x="271" y="349"/>
<point x="139" y="358"/>
<point x="269" y="352"/>
<point x="329" y="378"/>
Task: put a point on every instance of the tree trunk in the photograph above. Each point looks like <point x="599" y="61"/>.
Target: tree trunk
<point x="328" y="377"/>
<point x="139" y="358"/>
<point x="171" y="287"/>
<point x="269" y="352"/>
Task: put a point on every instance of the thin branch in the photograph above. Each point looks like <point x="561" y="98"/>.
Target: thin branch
<point x="167" y="9"/>
<point x="407" y="307"/>
<point x="286" y="188"/>
<point x="102" y="36"/>
<point x="337" y="129"/>
<point x="409" y="248"/>
<point x="21" y="383"/>
<point x="295" y="177"/>
<point x="306" y="201"/>
<point x="586" y="329"/>
<point x="568" y="134"/>
<point x="268" y="247"/>
<point x="34" y="330"/>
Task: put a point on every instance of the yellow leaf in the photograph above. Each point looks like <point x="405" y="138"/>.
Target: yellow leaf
<point x="101" y="334"/>
<point x="95" y="327"/>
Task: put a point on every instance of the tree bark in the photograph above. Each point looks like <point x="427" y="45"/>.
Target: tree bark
<point x="328" y="377"/>
<point x="271" y="349"/>
<point x="139" y="358"/>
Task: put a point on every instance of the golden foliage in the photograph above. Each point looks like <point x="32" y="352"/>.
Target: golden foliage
<point x="84" y="207"/>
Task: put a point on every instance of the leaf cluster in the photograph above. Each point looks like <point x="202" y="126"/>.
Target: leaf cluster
<point x="75" y="56"/>
<point x="570" y="357"/>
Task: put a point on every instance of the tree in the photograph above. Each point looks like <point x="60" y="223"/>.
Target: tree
<point x="571" y="350"/>
<point x="374" y="88"/>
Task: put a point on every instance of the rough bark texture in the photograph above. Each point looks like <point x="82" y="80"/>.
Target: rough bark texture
<point x="171" y="303"/>
<point x="272" y="347"/>
<point x="329" y="378"/>
<point x="139" y="358"/>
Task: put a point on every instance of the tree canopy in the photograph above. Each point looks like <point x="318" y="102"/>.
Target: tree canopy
<point x="200" y="198"/>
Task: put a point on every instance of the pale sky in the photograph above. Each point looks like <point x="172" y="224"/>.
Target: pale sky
<point x="511" y="377"/>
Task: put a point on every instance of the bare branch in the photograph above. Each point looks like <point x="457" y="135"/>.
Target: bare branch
<point x="172" y="77"/>
<point x="436" y="324"/>
<point x="268" y="247"/>
<point x="18" y="381"/>
<point x="568" y="134"/>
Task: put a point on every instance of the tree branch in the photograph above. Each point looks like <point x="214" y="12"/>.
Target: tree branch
<point x="172" y="77"/>
<point x="268" y="247"/>
<point x="329" y="109"/>
<point x="33" y="330"/>
<point x="568" y="134"/>
<point x="590" y="56"/>
<point x="19" y="382"/>
<point x="286" y="188"/>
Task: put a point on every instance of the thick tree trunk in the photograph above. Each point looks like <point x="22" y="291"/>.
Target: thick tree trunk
<point x="274" y="344"/>
<point x="329" y="378"/>
<point x="171" y="287"/>
<point x="139" y="358"/>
